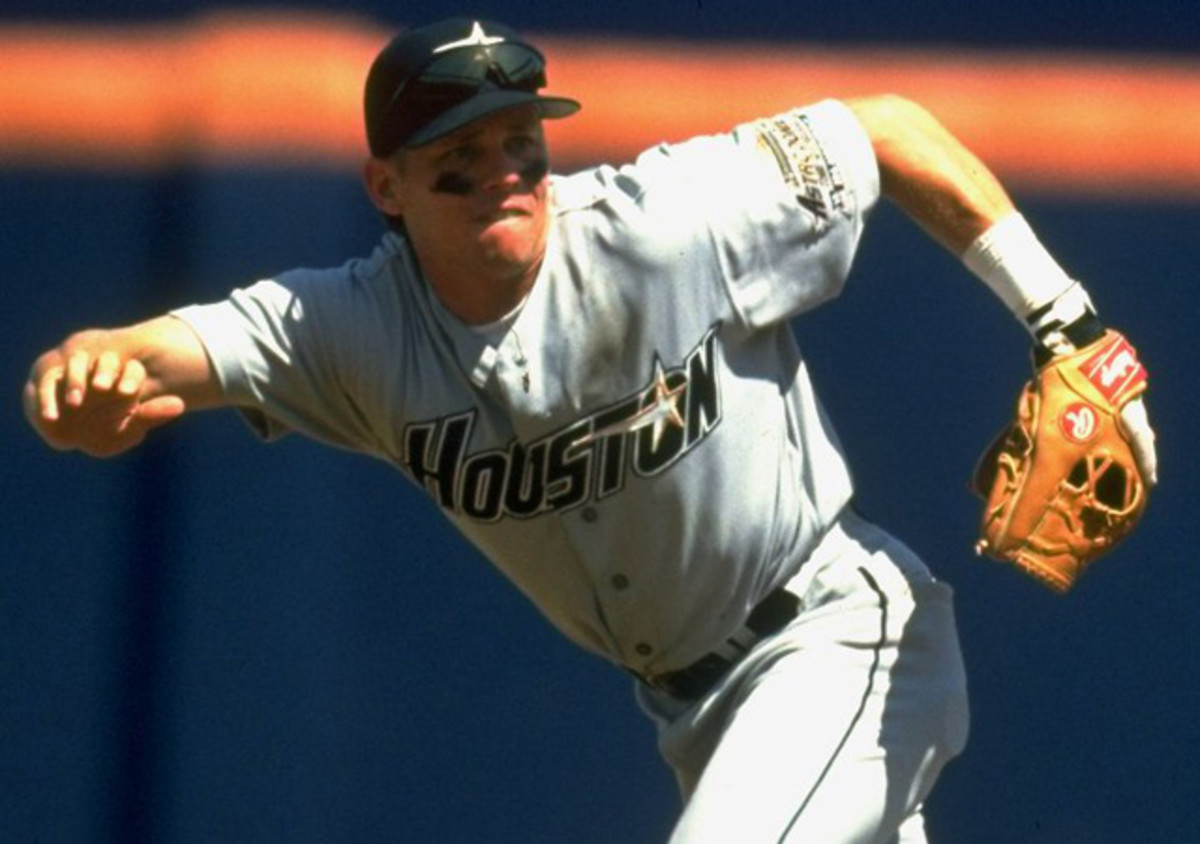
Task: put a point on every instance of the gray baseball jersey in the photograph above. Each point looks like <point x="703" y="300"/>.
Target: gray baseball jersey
<point x="637" y="447"/>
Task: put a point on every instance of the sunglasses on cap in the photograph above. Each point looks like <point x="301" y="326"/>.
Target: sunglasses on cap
<point x="463" y="84"/>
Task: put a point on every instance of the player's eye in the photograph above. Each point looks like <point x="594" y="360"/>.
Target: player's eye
<point x="460" y="155"/>
<point x="521" y="145"/>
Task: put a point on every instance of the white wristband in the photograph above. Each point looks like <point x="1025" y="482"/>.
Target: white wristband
<point x="1010" y="260"/>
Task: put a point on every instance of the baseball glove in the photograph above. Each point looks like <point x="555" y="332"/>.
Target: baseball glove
<point x="1061" y="484"/>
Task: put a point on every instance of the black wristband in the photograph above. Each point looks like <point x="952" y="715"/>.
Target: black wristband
<point x="1082" y="332"/>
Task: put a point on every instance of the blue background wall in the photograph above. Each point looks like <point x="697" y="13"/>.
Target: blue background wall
<point x="212" y="640"/>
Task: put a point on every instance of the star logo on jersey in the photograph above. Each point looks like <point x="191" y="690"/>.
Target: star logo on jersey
<point x="662" y="410"/>
<point x="477" y="38"/>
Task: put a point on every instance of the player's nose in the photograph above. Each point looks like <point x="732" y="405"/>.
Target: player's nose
<point x="502" y="170"/>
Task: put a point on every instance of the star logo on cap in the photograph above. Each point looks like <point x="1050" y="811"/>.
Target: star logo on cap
<point x="477" y="38"/>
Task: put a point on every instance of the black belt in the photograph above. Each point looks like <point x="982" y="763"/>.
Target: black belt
<point x="770" y="616"/>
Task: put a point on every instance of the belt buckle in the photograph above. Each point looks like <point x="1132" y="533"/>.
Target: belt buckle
<point x="693" y="681"/>
<point x="660" y="683"/>
<point x="657" y="682"/>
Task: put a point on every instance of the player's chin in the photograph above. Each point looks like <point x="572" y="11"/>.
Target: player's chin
<point x="509" y="235"/>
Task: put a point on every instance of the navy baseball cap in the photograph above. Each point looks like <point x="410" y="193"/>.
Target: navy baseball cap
<point x="427" y="82"/>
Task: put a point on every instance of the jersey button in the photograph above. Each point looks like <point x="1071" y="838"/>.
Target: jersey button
<point x="643" y="649"/>
<point x="620" y="582"/>
<point x="589" y="514"/>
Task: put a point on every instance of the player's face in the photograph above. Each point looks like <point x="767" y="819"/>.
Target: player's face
<point x="479" y="195"/>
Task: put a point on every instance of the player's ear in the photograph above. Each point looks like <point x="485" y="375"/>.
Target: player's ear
<point x="383" y="182"/>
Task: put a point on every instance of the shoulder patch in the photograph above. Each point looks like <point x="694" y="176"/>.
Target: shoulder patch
<point x="806" y="170"/>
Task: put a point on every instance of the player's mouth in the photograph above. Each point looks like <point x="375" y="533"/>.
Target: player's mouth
<point x="507" y="211"/>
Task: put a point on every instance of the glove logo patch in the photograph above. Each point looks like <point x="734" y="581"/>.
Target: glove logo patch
<point x="1078" y="422"/>
<point x="1114" y="370"/>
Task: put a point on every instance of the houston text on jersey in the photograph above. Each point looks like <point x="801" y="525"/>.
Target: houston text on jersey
<point x="645" y="433"/>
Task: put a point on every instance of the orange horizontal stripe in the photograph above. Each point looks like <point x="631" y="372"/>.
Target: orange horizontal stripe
<point x="260" y="88"/>
<point x="275" y="88"/>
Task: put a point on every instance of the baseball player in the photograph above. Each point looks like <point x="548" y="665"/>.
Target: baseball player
<point x="594" y="378"/>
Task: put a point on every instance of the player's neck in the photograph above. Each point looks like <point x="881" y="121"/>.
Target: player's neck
<point x="479" y="297"/>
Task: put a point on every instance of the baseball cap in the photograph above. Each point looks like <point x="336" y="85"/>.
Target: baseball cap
<point x="429" y="81"/>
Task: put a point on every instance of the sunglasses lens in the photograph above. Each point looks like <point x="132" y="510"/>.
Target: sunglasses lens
<point x="502" y="65"/>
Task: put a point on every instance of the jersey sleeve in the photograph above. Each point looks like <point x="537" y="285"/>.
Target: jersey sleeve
<point x="277" y="359"/>
<point x="783" y="201"/>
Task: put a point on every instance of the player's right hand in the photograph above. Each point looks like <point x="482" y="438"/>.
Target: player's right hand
<point x="88" y="396"/>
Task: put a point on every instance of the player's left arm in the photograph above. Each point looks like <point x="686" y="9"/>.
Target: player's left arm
<point x="959" y="201"/>
<point x="929" y="173"/>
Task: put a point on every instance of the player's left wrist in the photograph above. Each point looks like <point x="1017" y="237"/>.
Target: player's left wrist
<point x="1054" y="308"/>
<point x="1063" y="326"/>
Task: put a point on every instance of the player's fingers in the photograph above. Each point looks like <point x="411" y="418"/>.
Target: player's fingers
<point x="46" y="391"/>
<point x="132" y="377"/>
<point x="159" y="411"/>
<point x="78" y="365"/>
<point x="108" y="367"/>
<point x="1141" y="439"/>
<point x="149" y="415"/>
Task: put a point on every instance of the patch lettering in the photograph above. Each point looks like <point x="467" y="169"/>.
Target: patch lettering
<point x="816" y="181"/>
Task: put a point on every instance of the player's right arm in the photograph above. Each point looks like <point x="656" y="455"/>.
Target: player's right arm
<point x="100" y="391"/>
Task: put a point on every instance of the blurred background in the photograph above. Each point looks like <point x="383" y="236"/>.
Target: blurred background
<point x="211" y="640"/>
